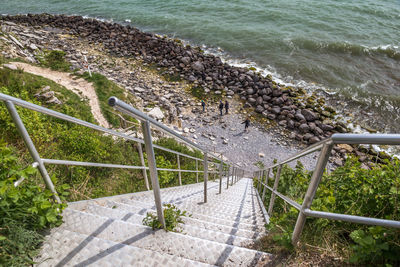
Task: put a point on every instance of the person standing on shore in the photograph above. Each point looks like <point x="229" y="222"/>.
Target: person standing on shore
<point x="221" y="107"/>
<point x="203" y="104"/>
<point x="246" y="124"/>
<point x="226" y="106"/>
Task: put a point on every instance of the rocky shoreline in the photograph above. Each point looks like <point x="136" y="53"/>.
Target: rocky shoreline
<point x="306" y="117"/>
<point x="289" y="107"/>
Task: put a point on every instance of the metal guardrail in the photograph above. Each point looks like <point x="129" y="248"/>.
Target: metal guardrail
<point x="233" y="171"/>
<point x="326" y="147"/>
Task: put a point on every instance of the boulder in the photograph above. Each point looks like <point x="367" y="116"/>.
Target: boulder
<point x="309" y="115"/>
<point x="276" y="110"/>
<point x="304" y="128"/>
<point x="198" y="66"/>
<point x="308" y="136"/>
<point x="185" y="60"/>
<point x="156" y="113"/>
<point x="326" y="127"/>
<point x="10" y="66"/>
<point x="290" y="124"/>
<point x="259" y="109"/>
<point x="282" y="123"/>
<point x="313" y="140"/>
<point x="299" y="117"/>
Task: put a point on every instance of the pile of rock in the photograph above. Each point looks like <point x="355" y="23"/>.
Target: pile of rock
<point x="272" y="100"/>
<point x="48" y="96"/>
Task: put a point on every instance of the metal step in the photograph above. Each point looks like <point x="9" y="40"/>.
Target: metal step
<point x="184" y="246"/>
<point x="67" y="248"/>
<point x="239" y="229"/>
<point x="141" y="207"/>
<point x="186" y="228"/>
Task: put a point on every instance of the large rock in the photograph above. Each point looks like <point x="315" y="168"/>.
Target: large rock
<point x="326" y="127"/>
<point x="156" y="113"/>
<point x="259" y="109"/>
<point x="299" y="117"/>
<point x="304" y="128"/>
<point x="309" y="115"/>
<point x="10" y="66"/>
<point x="276" y="110"/>
<point x="198" y="66"/>
<point x="185" y="60"/>
<point x="313" y="140"/>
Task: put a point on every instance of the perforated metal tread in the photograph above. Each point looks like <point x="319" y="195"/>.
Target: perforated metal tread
<point x="67" y="248"/>
<point x="189" y="229"/>
<point x="229" y="228"/>
<point x="212" y="234"/>
<point x="171" y="243"/>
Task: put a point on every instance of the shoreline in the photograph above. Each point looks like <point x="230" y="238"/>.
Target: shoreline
<point x="303" y="117"/>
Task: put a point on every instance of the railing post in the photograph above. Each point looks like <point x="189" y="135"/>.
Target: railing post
<point x="153" y="170"/>
<point x="227" y="176"/>
<point x="233" y="175"/>
<point x="197" y="171"/>
<point x="260" y="173"/>
<point x="220" y="177"/>
<point x="146" y="179"/>
<point x="205" y="176"/>
<point x="179" y="168"/>
<point x="276" y="183"/>
<point x="32" y="149"/>
<point x="312" y="189"/>
<point x="266" y="183"/>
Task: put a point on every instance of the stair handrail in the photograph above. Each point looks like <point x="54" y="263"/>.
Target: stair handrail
<point x="40" y="162"/>
<point x="304" y="209"/>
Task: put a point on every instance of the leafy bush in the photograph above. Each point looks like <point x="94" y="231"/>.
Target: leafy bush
<point x="164" y="177"/>
<point x="55" y="60"/>
<point x="172" y="216"/>
<point x="24" y="210"/>
<point x="349" y="190"/>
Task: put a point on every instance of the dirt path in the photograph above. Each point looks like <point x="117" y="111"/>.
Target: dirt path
<point x="77" y="86"/>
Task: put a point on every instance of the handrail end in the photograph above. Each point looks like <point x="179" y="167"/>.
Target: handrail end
<point x="112" y="101"/>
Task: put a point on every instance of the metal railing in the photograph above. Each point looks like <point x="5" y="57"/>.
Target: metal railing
<point x="233" y="171"/>
<point x="304" y="209"/>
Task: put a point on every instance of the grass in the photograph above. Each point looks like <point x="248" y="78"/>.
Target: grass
<point x="104" y="90"/>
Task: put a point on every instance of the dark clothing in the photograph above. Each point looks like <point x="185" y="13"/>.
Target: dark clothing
<point x="203" y="104"/>
<point x="226" y="107"/>
<point x="221" y="107"/>
<point x="246" y="124"/>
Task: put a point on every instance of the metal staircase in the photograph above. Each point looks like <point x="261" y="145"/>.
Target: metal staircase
<point x="109" y="231"/>
<point x="227" y="214"/>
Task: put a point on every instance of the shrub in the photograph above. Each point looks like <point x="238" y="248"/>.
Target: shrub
<point x="348" y="190"/>
<point x="172" y="216"/>
<point x="24" y="210"/>
<point x="55" y="60"/>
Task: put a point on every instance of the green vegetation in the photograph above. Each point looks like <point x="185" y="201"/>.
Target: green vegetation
<point x="349" y="190"/>
<point x="55" y="60"/>
<point x="169" y="161"/>
<point x="172" y="216"/>
<point x="27" y="210"/>
<point x="24" y="210"/>
<point x="104" y="90"/>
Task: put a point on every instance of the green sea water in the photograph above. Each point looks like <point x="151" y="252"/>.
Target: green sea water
<point x="348" y="48"/>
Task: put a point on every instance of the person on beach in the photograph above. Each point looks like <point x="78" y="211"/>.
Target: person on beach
<point x="203" y="104"/>
<point x="221" y="107"/>
<point x="226" y="106"/>
<point x="246" y="124"/>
